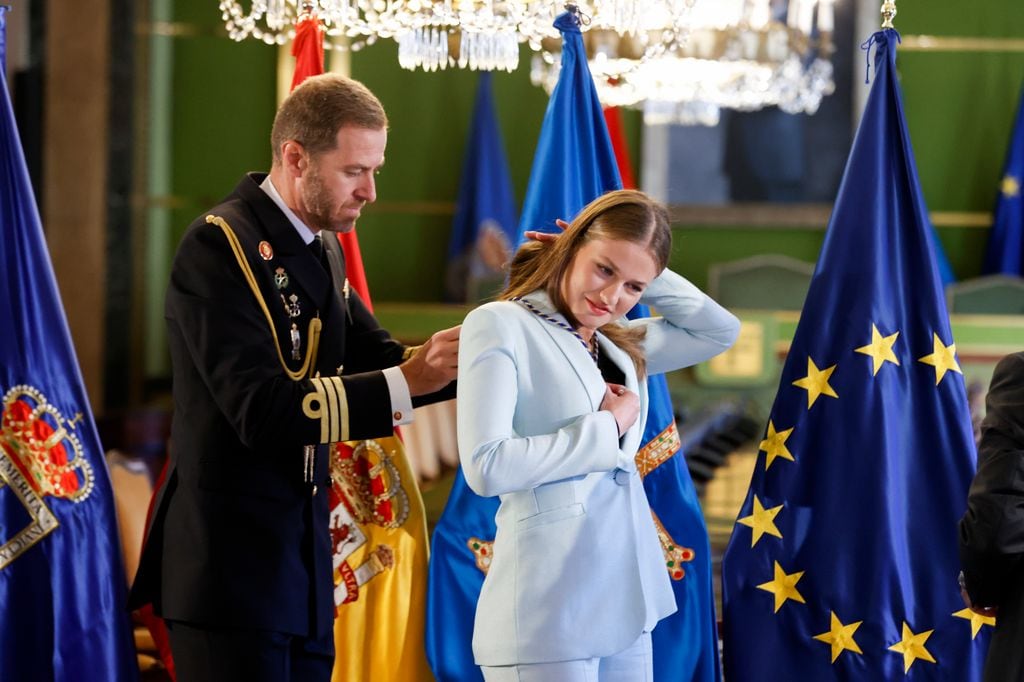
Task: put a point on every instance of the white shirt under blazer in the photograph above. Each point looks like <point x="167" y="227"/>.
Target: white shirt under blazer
<point x="577" y="570"/>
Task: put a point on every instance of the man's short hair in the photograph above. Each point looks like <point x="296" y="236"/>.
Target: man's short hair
<point x="314" y="112"/>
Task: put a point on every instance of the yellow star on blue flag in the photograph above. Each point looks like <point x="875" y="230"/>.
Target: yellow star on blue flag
<point x="912" y="646"/>
<point x="816" y="382"/>
<point x="942" y="358"/>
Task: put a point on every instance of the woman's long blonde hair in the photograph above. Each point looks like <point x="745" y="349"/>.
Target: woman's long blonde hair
<point x="626" y="215"/>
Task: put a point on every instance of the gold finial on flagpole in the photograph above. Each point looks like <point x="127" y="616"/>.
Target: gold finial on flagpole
<point x="888" y="13"/>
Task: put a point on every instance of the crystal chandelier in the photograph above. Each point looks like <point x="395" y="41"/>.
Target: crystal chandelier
<point x="430" y="34"/>
<point x="437" y="34"/>
<point x="736" y="54"/>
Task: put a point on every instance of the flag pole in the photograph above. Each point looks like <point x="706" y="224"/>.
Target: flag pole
<point x="888" y="13"/>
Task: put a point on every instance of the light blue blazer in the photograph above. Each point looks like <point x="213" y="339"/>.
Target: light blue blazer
<point x="577" y="569"/>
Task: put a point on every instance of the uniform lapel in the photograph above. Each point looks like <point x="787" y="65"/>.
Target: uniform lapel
<point x="335" y="309"/>
<point x="290" y="252"/>
<point x="575" y="354"/>
<point x="293" y="260"/>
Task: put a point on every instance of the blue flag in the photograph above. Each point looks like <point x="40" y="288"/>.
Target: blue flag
<point x="843" y="562"/>
<point x="1005" y="252"/>
<point x="485" y="223"/>
<point x="62" y="584"/>
<point x="460" y="554"/>
<point x="574" y="163"/>
<point x="483" y="231"/>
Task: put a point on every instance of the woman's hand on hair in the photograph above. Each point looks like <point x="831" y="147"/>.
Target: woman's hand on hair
<point x="546" y="237"/>
<point x="623" y="404"/>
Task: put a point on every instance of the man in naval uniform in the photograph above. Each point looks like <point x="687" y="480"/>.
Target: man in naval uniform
<point x="274" y="358"/>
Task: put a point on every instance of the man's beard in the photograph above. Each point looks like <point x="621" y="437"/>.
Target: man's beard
<point x="318" y="203"/>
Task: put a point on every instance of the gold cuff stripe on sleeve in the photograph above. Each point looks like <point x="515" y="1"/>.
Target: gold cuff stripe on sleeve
<point x="331" y="408"/>
<point x="336" y="398"/>
<point x="332" y="411"/>
<point x="409" y="352"/>
<point x="342" y="407"/>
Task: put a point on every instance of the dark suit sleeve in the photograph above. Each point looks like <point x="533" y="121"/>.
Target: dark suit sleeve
<point x="214" y="319"/>
<point x="992" y="530"/>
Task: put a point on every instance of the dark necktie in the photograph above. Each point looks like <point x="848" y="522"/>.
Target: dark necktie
<point x="317" y="247"/>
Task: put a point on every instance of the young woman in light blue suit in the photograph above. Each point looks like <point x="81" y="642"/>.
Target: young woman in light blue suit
<point x="552" y="405"/>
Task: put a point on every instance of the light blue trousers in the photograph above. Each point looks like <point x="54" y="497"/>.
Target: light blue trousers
<point x="634" y="664"/>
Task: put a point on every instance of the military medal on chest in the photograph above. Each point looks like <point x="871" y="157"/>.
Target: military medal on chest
<point x="292" y="305"/>
<point x="266" y="251"/>
<point x="280" y="278"/>
<point x="296" y="342"/>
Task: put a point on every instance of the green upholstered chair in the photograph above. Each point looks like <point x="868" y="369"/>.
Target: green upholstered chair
<point x="988" y="295"/>
<point x="764" y="282"/>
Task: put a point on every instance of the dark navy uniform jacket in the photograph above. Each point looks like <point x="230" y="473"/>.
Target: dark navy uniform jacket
<point x="239" y="534"/>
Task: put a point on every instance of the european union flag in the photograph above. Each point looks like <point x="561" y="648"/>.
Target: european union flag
<point x="483" y="231"/>
<point x="843" y="562"/>
<point x="574" y="163"/>
<point x="1005" y="252"/>
<point x="62" y="583"/>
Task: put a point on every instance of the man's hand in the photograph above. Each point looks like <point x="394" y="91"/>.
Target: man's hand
<point x="435" y="364"/>
<point x="546" y="237"/>
<point x="989" y="611"/>
<point x="623" y="404"/>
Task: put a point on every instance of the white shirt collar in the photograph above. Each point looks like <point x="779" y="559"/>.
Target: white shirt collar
<point x="268" y="188"/>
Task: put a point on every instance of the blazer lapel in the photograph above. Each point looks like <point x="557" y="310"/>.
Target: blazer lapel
<point x="575" y="353"/>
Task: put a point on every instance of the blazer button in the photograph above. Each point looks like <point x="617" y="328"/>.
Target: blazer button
<point x="622" y="477"/>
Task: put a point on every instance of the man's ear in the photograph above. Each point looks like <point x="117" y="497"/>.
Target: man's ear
<point x="294" y="158"/>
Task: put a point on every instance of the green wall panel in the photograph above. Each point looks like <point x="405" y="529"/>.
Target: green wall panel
<point x="224" y="100"/>
<point x="404" y="239"/>
<point x="960" y="108"/>
<point x="965" y="248"/>
<point x="404" y="255"/>
<point x="694" y="250"/>
<point x="995" y="18"/>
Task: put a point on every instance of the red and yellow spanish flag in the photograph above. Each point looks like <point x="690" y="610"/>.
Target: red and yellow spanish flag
<point x="378" y="524"/>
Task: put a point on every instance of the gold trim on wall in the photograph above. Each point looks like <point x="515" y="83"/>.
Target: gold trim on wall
<point x="795" y="217"/>
<point x="745" y="215"/>
<point x="961" y="219"/>
<point x="925" y="43"/>
<point x="179" y="29"/>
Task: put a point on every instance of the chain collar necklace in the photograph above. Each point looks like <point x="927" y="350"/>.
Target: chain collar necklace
<point x="591" y="347"/>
